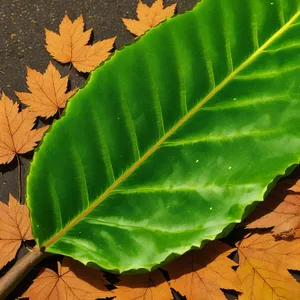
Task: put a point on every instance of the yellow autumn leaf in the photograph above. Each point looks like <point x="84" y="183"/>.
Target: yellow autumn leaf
<point x="264" y="264"/>
<point x="16" y="133"/>
<point x="149" y="17"/>
<point x="70" y="45"/>
<point x="47" y="92"/>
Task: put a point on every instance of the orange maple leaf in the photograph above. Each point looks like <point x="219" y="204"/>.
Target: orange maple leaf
<point x="149" y="17"/>
<point x="70" y="45"/>
<point x="150" y="286"/>
<point x="74" y="281"/>
<point x="15" y="227"/>
<point x="202" y="274"/>
<point x="264" y="264"/>
<point x="280" y="210"/>
<point x="16" y="134"/>
<point x="47" y="92"/>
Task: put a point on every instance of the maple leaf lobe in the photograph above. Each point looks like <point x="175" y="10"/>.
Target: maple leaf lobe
<point x="148" y="17"/>
<point x="148" y="286"/>
<point x="263" y="267"/>
<point x="202" y="274"/>
<point x="281" y="210"/>
<point x="73" y="281"/>
<point x="15" y="227"/>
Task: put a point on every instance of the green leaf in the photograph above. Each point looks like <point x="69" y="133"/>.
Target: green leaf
<point x="173" y="137"/>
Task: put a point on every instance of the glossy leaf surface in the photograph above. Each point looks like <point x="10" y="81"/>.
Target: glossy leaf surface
<point x="173" y="137"/>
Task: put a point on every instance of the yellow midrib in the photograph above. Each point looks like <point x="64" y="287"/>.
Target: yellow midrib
<point x="171" y="131"/>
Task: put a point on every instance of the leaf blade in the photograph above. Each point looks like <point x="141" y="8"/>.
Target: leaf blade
<point x="175" y="176"/>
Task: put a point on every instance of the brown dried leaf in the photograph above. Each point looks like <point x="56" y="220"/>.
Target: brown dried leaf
<point x="149" y="17"/>
<point x="47" y="92"/>
<point x="74" y="281"/>
<point x="70" y="45"/>
<point x="201" y="274"/>
<point x="15" y="227"/>
<point x="280" y="210"/>
<point x="150" y="286"/>
<point x="264" y="264"/>
<point x="16" y="134"/>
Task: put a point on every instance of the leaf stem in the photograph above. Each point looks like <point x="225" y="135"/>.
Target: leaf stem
<point x="19" y="179"/>
<point x="18" y="272"/>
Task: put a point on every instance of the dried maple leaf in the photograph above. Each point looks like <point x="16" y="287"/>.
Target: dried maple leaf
<point x="47" y="92"/>
<point x="264" y="264"/>
<point x="73" y="281"/>
<point x="70" y="45"/>
<point x="202" y="274"/>
<point x="150" y="286"/>
<point x="280" y="210"/>
<point x="15" y="227"/>
<point x="149" y="17"/>
<point x="16" y="134"/>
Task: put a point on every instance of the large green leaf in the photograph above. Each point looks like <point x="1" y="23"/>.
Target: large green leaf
<point x="173" y="137"/>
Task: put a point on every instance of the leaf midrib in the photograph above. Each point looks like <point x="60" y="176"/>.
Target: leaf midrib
<point x="155" y="147"/>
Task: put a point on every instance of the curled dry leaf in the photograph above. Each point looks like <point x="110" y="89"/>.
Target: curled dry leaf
<point x="264" y="264"/>
<point x="149" y="286"/>
<point x="48" y="92"/>
<point x="74" y="281"/>
<point x="202" y="274"/>
<point x="149" y="17"/>
<point x="16" y="134"/>
<point x="15" y="227"/>
<point x="280" y="210"/>
<point x="70" y="45"/>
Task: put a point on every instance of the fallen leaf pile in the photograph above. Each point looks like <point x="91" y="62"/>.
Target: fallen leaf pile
<point x="149" y="17"/>
<point x="48" y="92"/>
<point x="70" y="45"/>
<point x="262" y="261"/>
